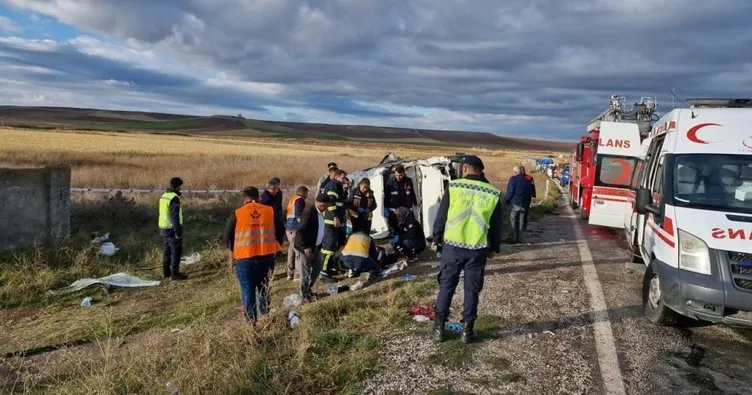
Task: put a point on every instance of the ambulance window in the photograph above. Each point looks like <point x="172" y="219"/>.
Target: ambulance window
<point x="639" y="169"/>
<point x="648" y="180"/>
<point x="615" y="171"/>
<point x="657" y="188"/>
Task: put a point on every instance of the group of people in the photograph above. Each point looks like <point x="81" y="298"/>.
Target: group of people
<point x="467" y="229"/>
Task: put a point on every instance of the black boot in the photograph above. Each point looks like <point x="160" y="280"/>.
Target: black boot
<point x="437" y="333"/>
<point x="468" y="334"/>
<point x="176" y="275"/>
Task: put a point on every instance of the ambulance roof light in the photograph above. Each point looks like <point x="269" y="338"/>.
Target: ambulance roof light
<point x="720" y="103"/>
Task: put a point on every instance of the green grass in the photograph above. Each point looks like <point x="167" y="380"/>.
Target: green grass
<point x="184" y="123"/>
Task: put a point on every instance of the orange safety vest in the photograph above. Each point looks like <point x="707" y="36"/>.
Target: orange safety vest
<point x="254" y="232"/>
<point x="291" y="206"/>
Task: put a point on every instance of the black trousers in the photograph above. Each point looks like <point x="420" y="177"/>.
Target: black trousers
<point x="453" y="261"/>
<point x="172" y="250"/>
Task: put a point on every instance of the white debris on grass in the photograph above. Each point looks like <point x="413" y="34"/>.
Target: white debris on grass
<point x="191" y="259"/>
<point x="115" y="280"/>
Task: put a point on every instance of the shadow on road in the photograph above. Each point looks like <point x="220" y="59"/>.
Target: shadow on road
<point x="615" y="315"/>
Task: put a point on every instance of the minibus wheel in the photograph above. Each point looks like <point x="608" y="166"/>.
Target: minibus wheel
<point x="655" y="310"/>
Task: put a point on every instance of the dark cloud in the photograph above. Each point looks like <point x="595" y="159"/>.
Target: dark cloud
<point x="541" y="67"/>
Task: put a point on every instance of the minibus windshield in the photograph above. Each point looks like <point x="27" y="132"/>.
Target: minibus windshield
<point x="720" y="182"/>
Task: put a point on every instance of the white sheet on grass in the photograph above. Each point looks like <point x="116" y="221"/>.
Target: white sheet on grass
<point x="115" y="280"/>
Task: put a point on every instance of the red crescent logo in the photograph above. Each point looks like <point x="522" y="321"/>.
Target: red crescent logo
<point x="692" y="133"/>
<point x="745" y="142"/>
<point x="626" y="171"/>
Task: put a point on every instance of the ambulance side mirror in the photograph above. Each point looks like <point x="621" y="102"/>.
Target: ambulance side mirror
<point x="644" y="202"/>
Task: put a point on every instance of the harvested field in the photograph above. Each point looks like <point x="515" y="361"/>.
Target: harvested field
<point x="122" y="160"/>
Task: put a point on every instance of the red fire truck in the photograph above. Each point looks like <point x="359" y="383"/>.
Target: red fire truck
<point x="603" y="163"/>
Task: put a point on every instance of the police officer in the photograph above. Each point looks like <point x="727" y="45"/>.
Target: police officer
<point x="398" y="192"/>
<point x="520" y="191"/>
<point x="171" y="229"/>
<point x="468" y="224"/>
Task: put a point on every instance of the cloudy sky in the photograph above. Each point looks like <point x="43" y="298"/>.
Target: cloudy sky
<point x="535" y="68"/>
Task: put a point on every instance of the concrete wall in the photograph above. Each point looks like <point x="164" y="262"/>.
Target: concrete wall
<point x="34" y="206"/>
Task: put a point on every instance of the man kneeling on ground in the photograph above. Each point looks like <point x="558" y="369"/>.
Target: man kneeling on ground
<point x="410" y="239"/>
<point x="360" y="255"/>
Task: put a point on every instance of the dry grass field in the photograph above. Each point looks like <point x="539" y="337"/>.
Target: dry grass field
<point x="192" y="333"/>
<point x="122" y="160"/>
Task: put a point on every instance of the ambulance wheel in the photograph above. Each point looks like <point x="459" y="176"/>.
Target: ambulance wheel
<point x="583" y="213"/>
<point x="652" y="299"/>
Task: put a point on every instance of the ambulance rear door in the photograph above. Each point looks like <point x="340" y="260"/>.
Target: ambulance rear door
<point x="618" y="153"/>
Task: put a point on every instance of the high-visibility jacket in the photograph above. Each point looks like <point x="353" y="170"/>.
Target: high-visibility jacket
<point x="254" y="232"/>
<point x="358" y="244"/>
<point x="291" y="206"/>
<point x="471" y="204"/>
<point x="165" y="221"/>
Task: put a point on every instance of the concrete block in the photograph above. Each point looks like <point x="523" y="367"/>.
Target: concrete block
<point x="34" y="206"/>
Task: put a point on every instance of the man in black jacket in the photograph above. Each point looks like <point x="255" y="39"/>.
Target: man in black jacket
<point x="171" y="230"/>
<point x="308" y="241"/>
<point x="360" y="206"/>
<point x="520" y="191"/>
<point x="272" y="196"/>
<point x="399" y="191"/>
<point x="410" y="239"/>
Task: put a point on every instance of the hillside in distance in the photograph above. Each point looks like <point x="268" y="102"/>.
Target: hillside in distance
<point x="221" y="125"/>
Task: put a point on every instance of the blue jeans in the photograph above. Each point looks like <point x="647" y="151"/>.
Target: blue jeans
<point x="251" y="274"/>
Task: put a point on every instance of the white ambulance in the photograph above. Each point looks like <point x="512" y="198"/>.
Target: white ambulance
<point x="691" y="221"/>
<point x="615" y="161"/>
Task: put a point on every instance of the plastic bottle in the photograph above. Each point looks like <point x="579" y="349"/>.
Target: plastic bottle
<point x="173" y="389"/>
<point x="86" y="302"/>
<point x="293" y="318"/>
<point x="292" y="300"/>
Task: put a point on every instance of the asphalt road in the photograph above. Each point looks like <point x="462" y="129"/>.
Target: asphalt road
<point x="570" y="320"/>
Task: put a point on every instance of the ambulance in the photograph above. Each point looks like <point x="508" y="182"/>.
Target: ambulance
<point x="691" y="216"/>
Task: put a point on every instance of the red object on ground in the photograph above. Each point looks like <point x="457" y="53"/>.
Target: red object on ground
<point x="424" y="311"/>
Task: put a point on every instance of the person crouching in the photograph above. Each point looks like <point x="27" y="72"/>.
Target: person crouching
<point x="410" y="239"/>
<point x="360" y="255"/>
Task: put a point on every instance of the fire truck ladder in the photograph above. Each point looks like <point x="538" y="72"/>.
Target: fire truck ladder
<point x="641" y="113"/>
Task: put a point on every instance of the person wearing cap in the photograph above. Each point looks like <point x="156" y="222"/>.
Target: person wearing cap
<point x="468" y="226"/>
<point x="398" y="192"/>
<point x="360" y="206"/>
<point x="171" y="230"/>
<point x="308" y="242"/>
<point x="272" y="196"/>
<point x="520" y="191"/>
